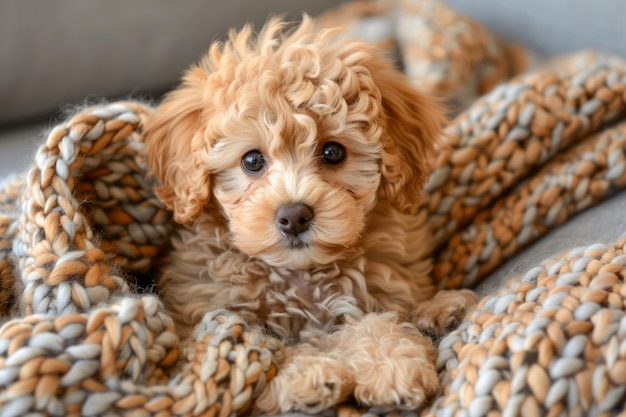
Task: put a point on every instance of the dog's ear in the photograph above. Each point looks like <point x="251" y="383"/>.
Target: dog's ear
<point x="413" y="126"/>
<point x="174" y="144"/>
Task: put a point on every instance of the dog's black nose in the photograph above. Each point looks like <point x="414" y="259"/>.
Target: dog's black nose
<point x="293" y="218"/>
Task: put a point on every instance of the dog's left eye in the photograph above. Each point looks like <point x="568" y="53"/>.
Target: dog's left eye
<point x="253" y="162"/>
<point x="333" y="153"/>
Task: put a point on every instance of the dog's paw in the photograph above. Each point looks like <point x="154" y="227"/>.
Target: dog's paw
<point x="393" y="364"/>
<point x="405" y="386"/>
<point x="399" y="375"/>
<point x="444" y="312"/>
<point x="309" y="384"/>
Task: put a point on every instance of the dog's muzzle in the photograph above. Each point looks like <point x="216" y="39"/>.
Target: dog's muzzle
<point x="293" y="220"/>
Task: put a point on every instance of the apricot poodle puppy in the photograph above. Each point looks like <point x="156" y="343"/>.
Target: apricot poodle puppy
<point x="294" y="161"/>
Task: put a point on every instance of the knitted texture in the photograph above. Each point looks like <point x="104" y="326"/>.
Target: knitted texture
<point x="84" y="344"/>
<point x="9" y="197"/>
<point x="506" y="135"/>
<point x="550" y="343"/>
<point x="443" y="53"/>
<point x="82" y="338"/>
<point x="62" y="268"/>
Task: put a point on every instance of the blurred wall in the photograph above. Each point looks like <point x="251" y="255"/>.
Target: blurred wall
<point x="54" y="52"/>
<point x="553" y="26"/>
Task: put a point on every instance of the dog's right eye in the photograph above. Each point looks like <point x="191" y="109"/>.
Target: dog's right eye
<point x="253" y="162"/>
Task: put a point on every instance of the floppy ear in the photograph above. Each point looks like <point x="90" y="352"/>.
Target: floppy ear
<point x="413" y="125"/>
<point x="174" y="142"/>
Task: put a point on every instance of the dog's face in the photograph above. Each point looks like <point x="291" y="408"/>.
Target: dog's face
<point x="293" y="138"/>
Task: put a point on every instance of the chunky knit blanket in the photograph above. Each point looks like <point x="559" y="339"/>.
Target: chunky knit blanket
<point x="80" y="232"/>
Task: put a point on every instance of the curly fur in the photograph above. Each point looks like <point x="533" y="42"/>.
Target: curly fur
<point x="287" y="92"/>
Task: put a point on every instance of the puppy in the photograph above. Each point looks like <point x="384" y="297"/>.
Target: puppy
<point x="294" y="161"/>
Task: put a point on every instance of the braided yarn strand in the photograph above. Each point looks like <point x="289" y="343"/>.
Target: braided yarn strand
<point x="120" y="203"/>
<point x="62" y="268"/>
<point x="494" y="146"/>
<point x="122" y="360"/>
<point x="79" y="364"/>
<point x="570" y="183"/>
<point x="550" y="343"/>
<point x="449" y="55"/>
<point x="87" y="211"/>
<point x="513" y="130"/>
<point x="9" y="200"/>
<point x="442" y="52"/>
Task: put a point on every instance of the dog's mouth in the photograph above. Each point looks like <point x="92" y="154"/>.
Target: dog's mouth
<point x="297" y="242"/>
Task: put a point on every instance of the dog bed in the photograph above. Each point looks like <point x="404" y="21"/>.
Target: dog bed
<point x="81" y="233"/>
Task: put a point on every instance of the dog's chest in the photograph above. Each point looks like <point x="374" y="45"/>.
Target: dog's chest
<point x="304" y="304"/>
<point x="307" y="286"/>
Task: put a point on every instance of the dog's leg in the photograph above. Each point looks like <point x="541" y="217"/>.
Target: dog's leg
<point x="308" y="381"/>
<point x="393" y="364"/>
<point x="443" y="312"/>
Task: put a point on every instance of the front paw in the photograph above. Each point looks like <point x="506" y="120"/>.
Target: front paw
<point x="444" y="312"/>
<point x="309" y="384"/>
<point x="406" y="383"/>
<point x="393" y="364"/>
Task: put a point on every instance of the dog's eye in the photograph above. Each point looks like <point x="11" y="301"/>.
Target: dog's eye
<point x="333" y="153"/>
<point x="253" y="162"/>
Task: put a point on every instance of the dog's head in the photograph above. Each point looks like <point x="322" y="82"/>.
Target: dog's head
<point x="294" y="137"/>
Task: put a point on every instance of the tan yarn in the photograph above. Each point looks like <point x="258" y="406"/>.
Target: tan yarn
<point x="444" y="53"/>
<point x="572" y="182"/>
<point x="120" y="360"/>
<point x="87" y="212"/>
<point x="449" y="55"/>
<point x="505" y="135"/>
<point x="551" y="342"/>
<point x="57" y="237"/>
<point x="11" y="190"/>
<point x="82" y="341"/>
